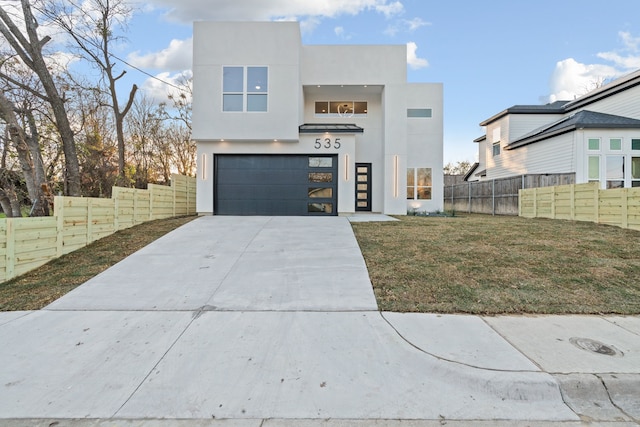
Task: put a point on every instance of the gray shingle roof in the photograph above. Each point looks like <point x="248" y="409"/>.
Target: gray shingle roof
<point x="581" y="120"/>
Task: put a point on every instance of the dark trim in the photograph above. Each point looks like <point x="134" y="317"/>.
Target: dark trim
<point x="329" y="127"/>
<point x="470" y="172"/>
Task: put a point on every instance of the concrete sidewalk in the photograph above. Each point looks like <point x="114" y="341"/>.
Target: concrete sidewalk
<point x="260" y="321"/>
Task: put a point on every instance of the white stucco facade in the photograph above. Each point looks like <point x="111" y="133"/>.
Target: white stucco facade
<point x="398" y="125"/>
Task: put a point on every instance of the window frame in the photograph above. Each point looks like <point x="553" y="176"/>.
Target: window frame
<point x="247" y="94"/>
<point x="332" y="109"/>
<point x="413" y="180"/>
<point x="495" y="149"/>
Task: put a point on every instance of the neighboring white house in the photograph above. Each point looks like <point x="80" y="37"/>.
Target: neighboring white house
<point x="596" y="136"/>
<point x="284" y="128"/>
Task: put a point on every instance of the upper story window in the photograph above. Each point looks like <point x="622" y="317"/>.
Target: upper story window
<point x="341" y="108"/>
<point x="245" y="89"/>
<point x="423" y="113"/>
<point x="496" y="149"/>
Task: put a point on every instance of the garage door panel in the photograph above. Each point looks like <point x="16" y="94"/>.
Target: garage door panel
<point x="271" y="185"/>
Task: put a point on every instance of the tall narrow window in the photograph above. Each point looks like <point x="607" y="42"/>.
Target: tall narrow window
<point x="496" y="149"/>
<point x="419" y="183"/>
<point x="594" y="168"/>
<point x="635" y="171"/>
<point x="245" y="89"/>
<point x="615" y="171"/>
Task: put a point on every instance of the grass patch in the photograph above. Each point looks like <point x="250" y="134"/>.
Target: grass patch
<point x="483" y="264"/>
<point x="43" y="285"/>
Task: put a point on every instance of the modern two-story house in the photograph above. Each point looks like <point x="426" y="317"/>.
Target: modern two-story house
<point x="596" y="137"/>
<point x="284" y="128"/>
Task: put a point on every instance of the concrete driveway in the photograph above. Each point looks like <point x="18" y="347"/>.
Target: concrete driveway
<point x="245" y="319"/>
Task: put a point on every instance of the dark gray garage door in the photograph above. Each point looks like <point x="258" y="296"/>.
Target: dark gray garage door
<point x="275" y="184"/>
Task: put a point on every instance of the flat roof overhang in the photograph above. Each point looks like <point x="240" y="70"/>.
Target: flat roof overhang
<point x="330" y="128"/>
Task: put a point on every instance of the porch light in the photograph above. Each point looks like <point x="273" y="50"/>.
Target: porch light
<point x="346" y="167"/>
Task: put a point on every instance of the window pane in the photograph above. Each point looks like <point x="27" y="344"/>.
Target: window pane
<point x="256" y="102"/>
<point x="232" y="79"/>
<point x="360" y="107"/>
<point x="320" y="207"/>
<point x="615" y="144"/>
<point x="594" y="143"/>
<point x="424" y="193"/>
<point x="635" y="167"/>
<point x="419" y="112"/>
<point x="496" y="149"/>
<point x="343" y="108"/>
<point x="410" y="190"/>
<point x="257" y="79"/>
<point x="232" y="102"/>
<point x="320" y="162"/>
<point x="635" y="144"/>
<point x="615" y="167"/>
<point x="320" y="177"/>
<point x="362" y="187"/>
<point x="615" y="184"/>
<point x="362" y="178"/>
<point x="424" y="177"/>
<point x="321" y="192"/>
<point x="322" y="107"/>
<point x="594" y="168"/>
<point x="411" y="178"/>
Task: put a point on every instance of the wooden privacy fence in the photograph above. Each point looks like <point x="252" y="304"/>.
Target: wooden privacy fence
<point x="583" y="202"/>
<point x="28" y="243"/>
<point x="497" y="196"/>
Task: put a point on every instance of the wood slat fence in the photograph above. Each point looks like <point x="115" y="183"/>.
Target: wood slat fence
<point x="28" y="243"/>
<point x="583" y="202"/>
<point x="497" y="196"/>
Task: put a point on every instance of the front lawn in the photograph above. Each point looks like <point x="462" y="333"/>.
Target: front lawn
<point x="499" y="264"/>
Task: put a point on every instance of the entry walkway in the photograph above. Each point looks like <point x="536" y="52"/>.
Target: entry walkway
<point x="272" y="321"/>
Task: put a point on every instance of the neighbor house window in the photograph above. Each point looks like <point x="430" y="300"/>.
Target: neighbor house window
<point x="615" y="171"/>
<point x="245" y="89"/>
<point x="635" y="171"/>
<point x="419" y="183"/>
<point x="594" y="144"/>
<point x="635" y="144"/>
<point x="341" y="108"/>
<point x="615" y="144"/>
<point x="496" y="149"/>
<point x="594" y="168"/>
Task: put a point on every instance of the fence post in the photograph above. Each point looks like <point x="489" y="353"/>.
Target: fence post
<point x="572" y="201"/>
<point x="493" y="196"/>
<point x="553" y="202"/>
<point x="535" y="202"/>
<point x="596" y="203"/>
<point x="89" y="220"/>
<point x="58" y="211"/>
<point x="624" y="204"/>
<point x="469" y="204"/>
<point x="11" y="250"/>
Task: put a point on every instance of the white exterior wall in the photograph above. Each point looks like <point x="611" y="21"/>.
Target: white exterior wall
<point x="621" y="104"/>
<point x="522" y="124"/>
<point x="276" y="45"/>
<point x="298" y="77"/>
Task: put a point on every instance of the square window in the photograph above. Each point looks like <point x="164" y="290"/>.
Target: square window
<point x="256" y="102"/>
<point x="232" y="102"/>
<point x="615" y="144"/>
<point x="594" y="143"/>
<point x="322" y="107"/>
<point x="635" y="144"/>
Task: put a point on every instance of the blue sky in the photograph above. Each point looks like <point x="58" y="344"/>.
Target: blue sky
<point x="489" y="55"/>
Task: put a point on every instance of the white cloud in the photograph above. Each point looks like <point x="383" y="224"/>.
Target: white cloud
<point x="339" y="31"/>
<point x="412" y="59"/>
<point x="257" y="10"/>
<point x="571" y="79"/>
<point x="415" y="23"/>
<point x="158" y="90"/>
<point x="177" y="56"/>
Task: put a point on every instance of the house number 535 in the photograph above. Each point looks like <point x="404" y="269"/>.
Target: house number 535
<point x="327" y="143"/>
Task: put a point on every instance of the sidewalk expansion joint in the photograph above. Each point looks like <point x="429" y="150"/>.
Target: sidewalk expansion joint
<point x="451" y="360"/>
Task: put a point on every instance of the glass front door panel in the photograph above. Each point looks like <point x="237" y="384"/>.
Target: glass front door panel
<point x="363" y="187"/>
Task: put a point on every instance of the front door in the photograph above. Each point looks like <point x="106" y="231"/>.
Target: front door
<point x="363" y="187"/>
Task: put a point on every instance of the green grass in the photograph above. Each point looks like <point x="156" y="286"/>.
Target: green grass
<point x="490" y="265"/>
<point x="41" y="286"/>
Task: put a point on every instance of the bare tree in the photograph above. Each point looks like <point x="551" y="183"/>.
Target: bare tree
<point x="460" y="168"/>
<point x="92" y="26"/>
<point x="29" y="47"/>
